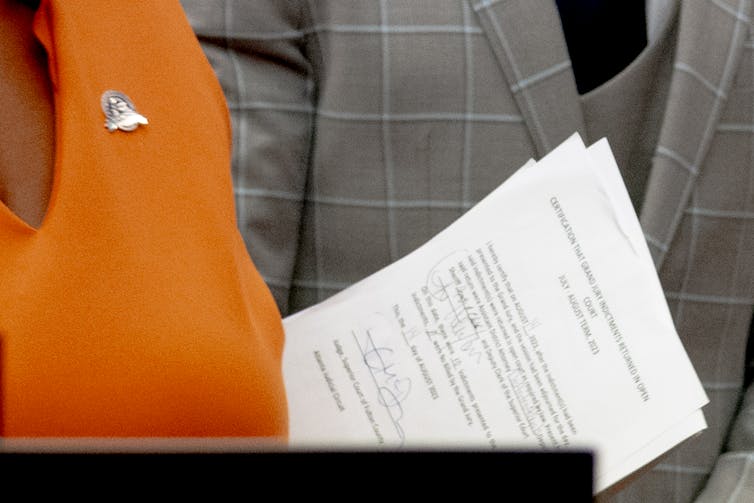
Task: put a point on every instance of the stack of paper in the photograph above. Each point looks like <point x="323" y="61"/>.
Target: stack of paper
<point x="536" y="320"/>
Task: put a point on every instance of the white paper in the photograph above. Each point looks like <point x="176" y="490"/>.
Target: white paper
<point x="534" y="320"/>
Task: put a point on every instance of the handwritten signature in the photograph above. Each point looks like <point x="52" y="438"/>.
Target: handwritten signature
<point x="447" y="286"/>
<point x="392" y="389"/>
<point x="437" y="278"/>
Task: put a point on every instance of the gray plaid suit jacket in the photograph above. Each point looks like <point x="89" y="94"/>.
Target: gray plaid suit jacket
<point x="364" y="127"/>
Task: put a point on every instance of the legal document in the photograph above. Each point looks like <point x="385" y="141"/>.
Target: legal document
<point x="535" y="321"/>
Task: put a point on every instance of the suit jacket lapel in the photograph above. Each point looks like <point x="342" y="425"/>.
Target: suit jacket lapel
<point x="527" y="39"/>
<point x="711" y="36"/>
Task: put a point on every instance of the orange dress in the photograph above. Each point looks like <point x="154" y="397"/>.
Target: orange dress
<point x="134" y="309"/>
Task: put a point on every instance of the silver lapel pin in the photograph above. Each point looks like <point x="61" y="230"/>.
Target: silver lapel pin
<point x="120" y="112"/>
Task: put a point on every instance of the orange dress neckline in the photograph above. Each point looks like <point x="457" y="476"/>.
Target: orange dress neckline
<point x="134" y="310"/>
